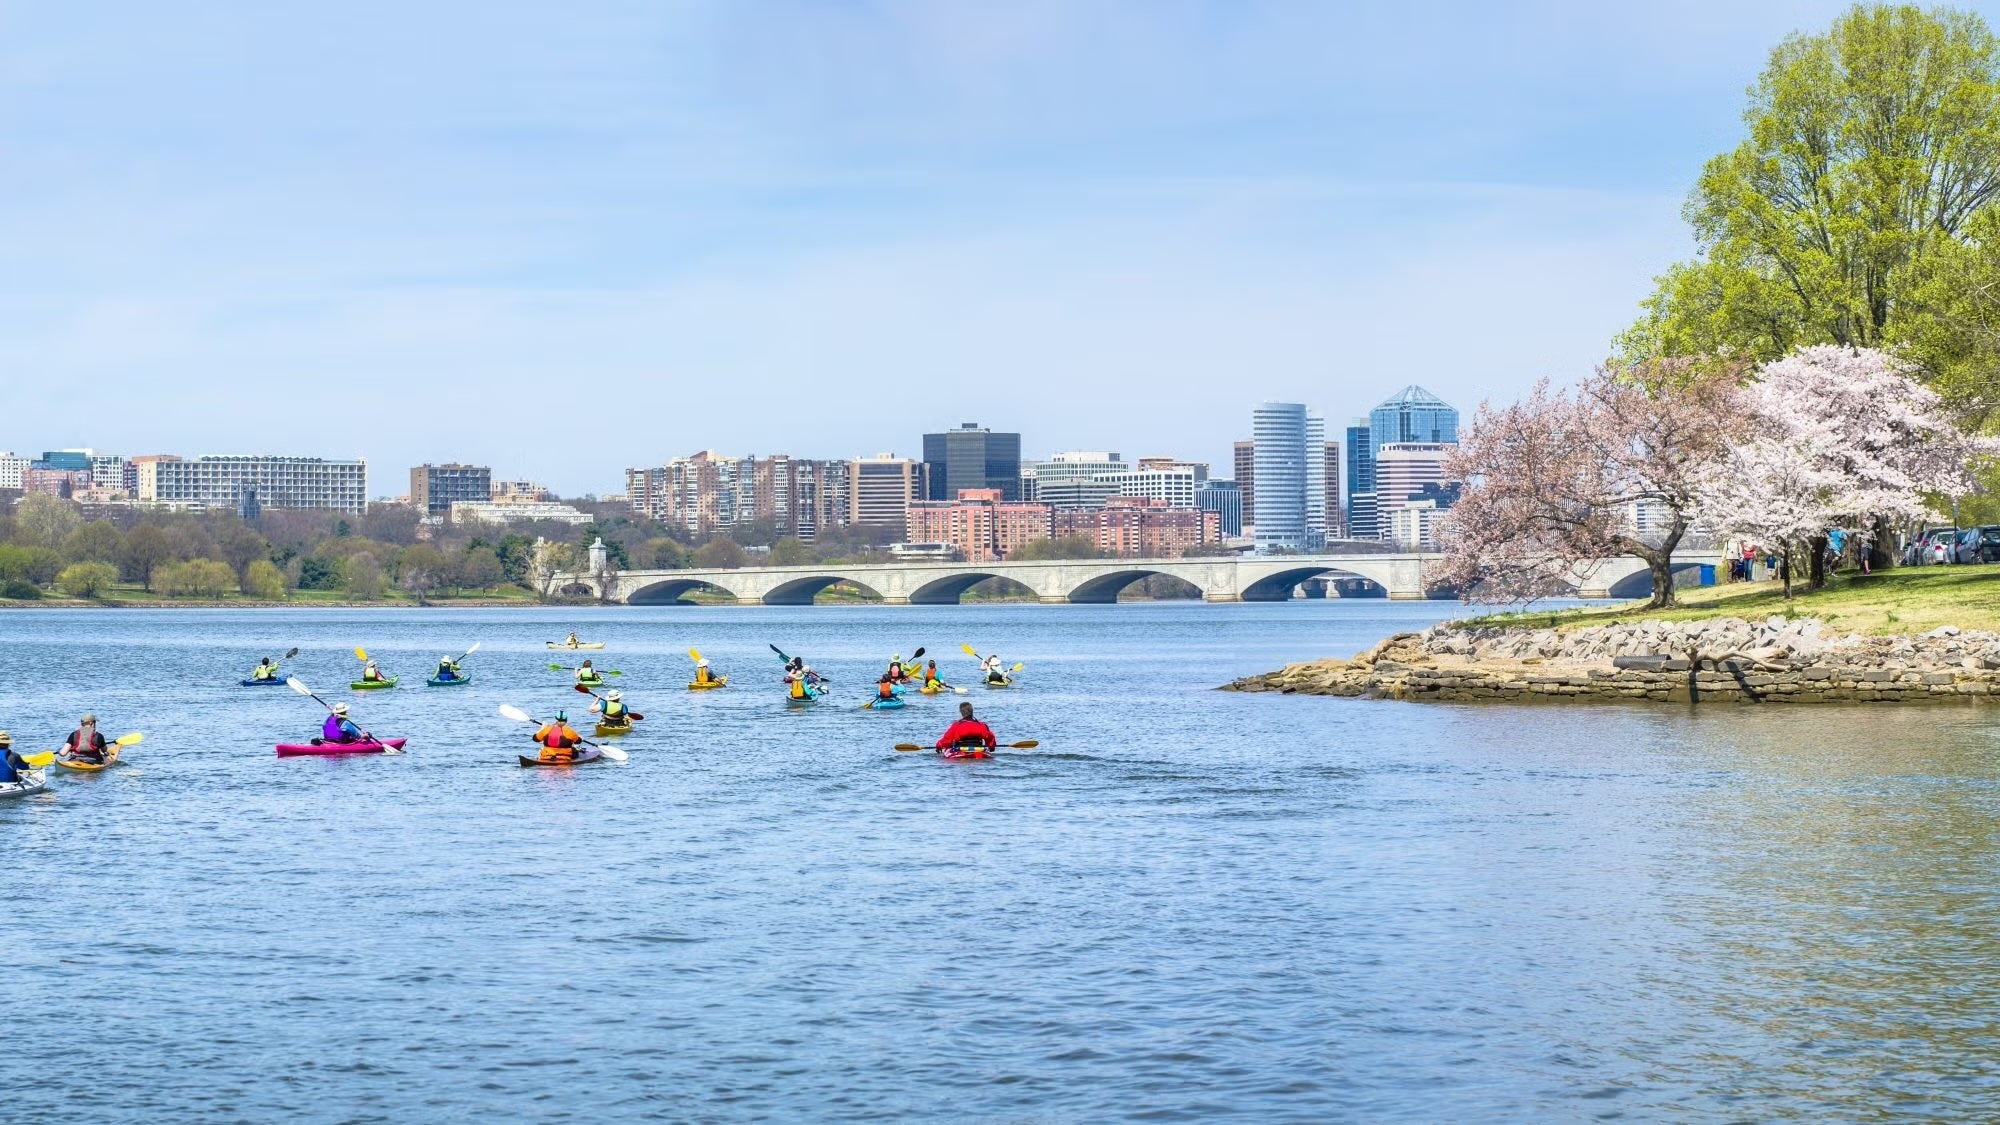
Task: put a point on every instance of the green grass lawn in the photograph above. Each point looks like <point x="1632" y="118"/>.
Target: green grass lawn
<point x="1904" y="600"/>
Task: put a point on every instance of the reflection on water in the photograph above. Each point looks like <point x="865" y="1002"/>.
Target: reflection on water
<point x="1189" y="903"/>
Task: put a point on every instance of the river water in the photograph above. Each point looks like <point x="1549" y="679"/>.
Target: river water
<point x="1187" y="904"/>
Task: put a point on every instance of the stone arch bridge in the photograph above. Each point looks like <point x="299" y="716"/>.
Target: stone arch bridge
<point x="1246" y="578"/>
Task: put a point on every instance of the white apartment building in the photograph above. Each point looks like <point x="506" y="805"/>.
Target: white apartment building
<point x="11" y="467"/>
<point x="279" y="482"/>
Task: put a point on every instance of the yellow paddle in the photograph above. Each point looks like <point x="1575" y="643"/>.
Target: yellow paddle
<point x="361" y="654"/>
<point x="47" y="757"/>
<point x="1025" y="744"/>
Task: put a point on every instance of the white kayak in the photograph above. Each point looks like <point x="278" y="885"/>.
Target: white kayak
<point x="31" y="783"/>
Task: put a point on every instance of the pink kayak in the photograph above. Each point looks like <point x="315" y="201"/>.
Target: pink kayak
<point x="294" y="749"/>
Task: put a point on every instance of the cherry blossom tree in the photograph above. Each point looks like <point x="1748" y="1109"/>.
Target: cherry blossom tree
<point x="1874" y="444"/>
<point x="1552" y="483"/>
<point x="1774" y="492"/>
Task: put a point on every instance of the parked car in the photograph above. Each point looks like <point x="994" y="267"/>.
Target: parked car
<point x="1928" y="548"/>
<point x="1978" y="545"/>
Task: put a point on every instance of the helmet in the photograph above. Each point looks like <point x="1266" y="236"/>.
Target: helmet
<point x="562" y="716"/>
<point x="613" y="695"/>
<point x="340" y="708"/>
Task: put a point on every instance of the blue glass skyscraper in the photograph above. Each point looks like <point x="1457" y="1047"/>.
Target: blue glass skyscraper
<point x="1412" y="414"/>
<point x="1359" y="483"/>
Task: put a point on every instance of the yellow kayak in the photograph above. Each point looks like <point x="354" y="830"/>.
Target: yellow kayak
<point x="609" y="730"/>
<point x="110" y="759"/>
<point x="711" y="685"/>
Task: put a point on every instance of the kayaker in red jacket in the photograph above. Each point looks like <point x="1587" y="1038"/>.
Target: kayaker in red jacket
<point x="967" y="731"/>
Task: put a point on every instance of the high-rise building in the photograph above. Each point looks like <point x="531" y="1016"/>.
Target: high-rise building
<point x="881" y="489"/>
<point x="1360" y="480"/>
<point x="1336" y="515"/>
<point x="1315" y="462"/>
<point x="280" y="482"/>
<point x="12" y="465"/>
<point x="1407" y="472"/>
<point x="981" y="524"/>
<point x="1069" y="481"/>
<point x="972" y="457"/>
<point x="1246" y="480"/>
<point x="435" y="488"/>
<point x="1225" y="499"/>
<point x="1412" y="414"/>
<point x="1279" y="430"/>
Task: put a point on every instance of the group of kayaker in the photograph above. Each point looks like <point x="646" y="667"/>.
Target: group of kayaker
<point x="559" y="742"/>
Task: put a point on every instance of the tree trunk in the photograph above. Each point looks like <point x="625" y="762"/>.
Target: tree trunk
<point x="1785" y="567"/>
<point x="1817" y="569"/>
<point x="1660" y="561"/>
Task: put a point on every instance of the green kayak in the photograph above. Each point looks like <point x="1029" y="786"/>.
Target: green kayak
<point x="595" y="681"/>
<point x="374" y="685"/>
<point x="435" y="682"/>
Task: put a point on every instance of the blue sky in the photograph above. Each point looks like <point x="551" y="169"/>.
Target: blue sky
<point x="565" y="239"/>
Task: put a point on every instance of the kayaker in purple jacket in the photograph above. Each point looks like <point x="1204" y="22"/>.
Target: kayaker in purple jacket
<point x="337" y="728"/>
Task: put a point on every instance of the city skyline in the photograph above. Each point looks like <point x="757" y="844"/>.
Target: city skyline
<point x="626" y="213"/>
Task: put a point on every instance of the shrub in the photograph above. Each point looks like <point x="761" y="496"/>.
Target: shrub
<point x="20" y="590"/>
<point x="87" y="579"/>
<point x="264" y="581"/>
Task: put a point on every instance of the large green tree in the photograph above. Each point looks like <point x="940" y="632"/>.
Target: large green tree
<point x="1859" y="210"/>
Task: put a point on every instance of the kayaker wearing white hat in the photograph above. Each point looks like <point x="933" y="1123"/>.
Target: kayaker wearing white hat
<point x="338" y="728"/>
<point x="612" y="708"/>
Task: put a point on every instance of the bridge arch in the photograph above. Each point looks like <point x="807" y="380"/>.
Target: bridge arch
<point x="672" y="590"/>
<point x="950" y="588"/>
<point x="1105" y="588"/>
<point x="802" y="591"/>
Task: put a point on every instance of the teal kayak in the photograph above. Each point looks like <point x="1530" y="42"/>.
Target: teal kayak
<point x="462" y="680"/>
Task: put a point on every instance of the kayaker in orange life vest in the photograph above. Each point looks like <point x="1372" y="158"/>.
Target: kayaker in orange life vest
<point x="967" y="731"/>
<point x="885" y="688"/>
<point x="558" y="740"/>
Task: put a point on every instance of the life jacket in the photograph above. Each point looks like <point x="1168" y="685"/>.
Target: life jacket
<point x="557" y="742"/>
<point x="265" y="672"/>
<point x="614" y="712"/>
<point x="897" y="673"/>
<point x="798" y="687"/>
<point x="886" y="690"/>
<point x="703" y="675"/>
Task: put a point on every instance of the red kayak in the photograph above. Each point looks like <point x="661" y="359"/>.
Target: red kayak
<point x="957" y="752"/>
<point x="295" y="749"/>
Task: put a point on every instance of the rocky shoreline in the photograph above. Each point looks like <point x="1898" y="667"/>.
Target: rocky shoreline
<point x="1725" y="660"/>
